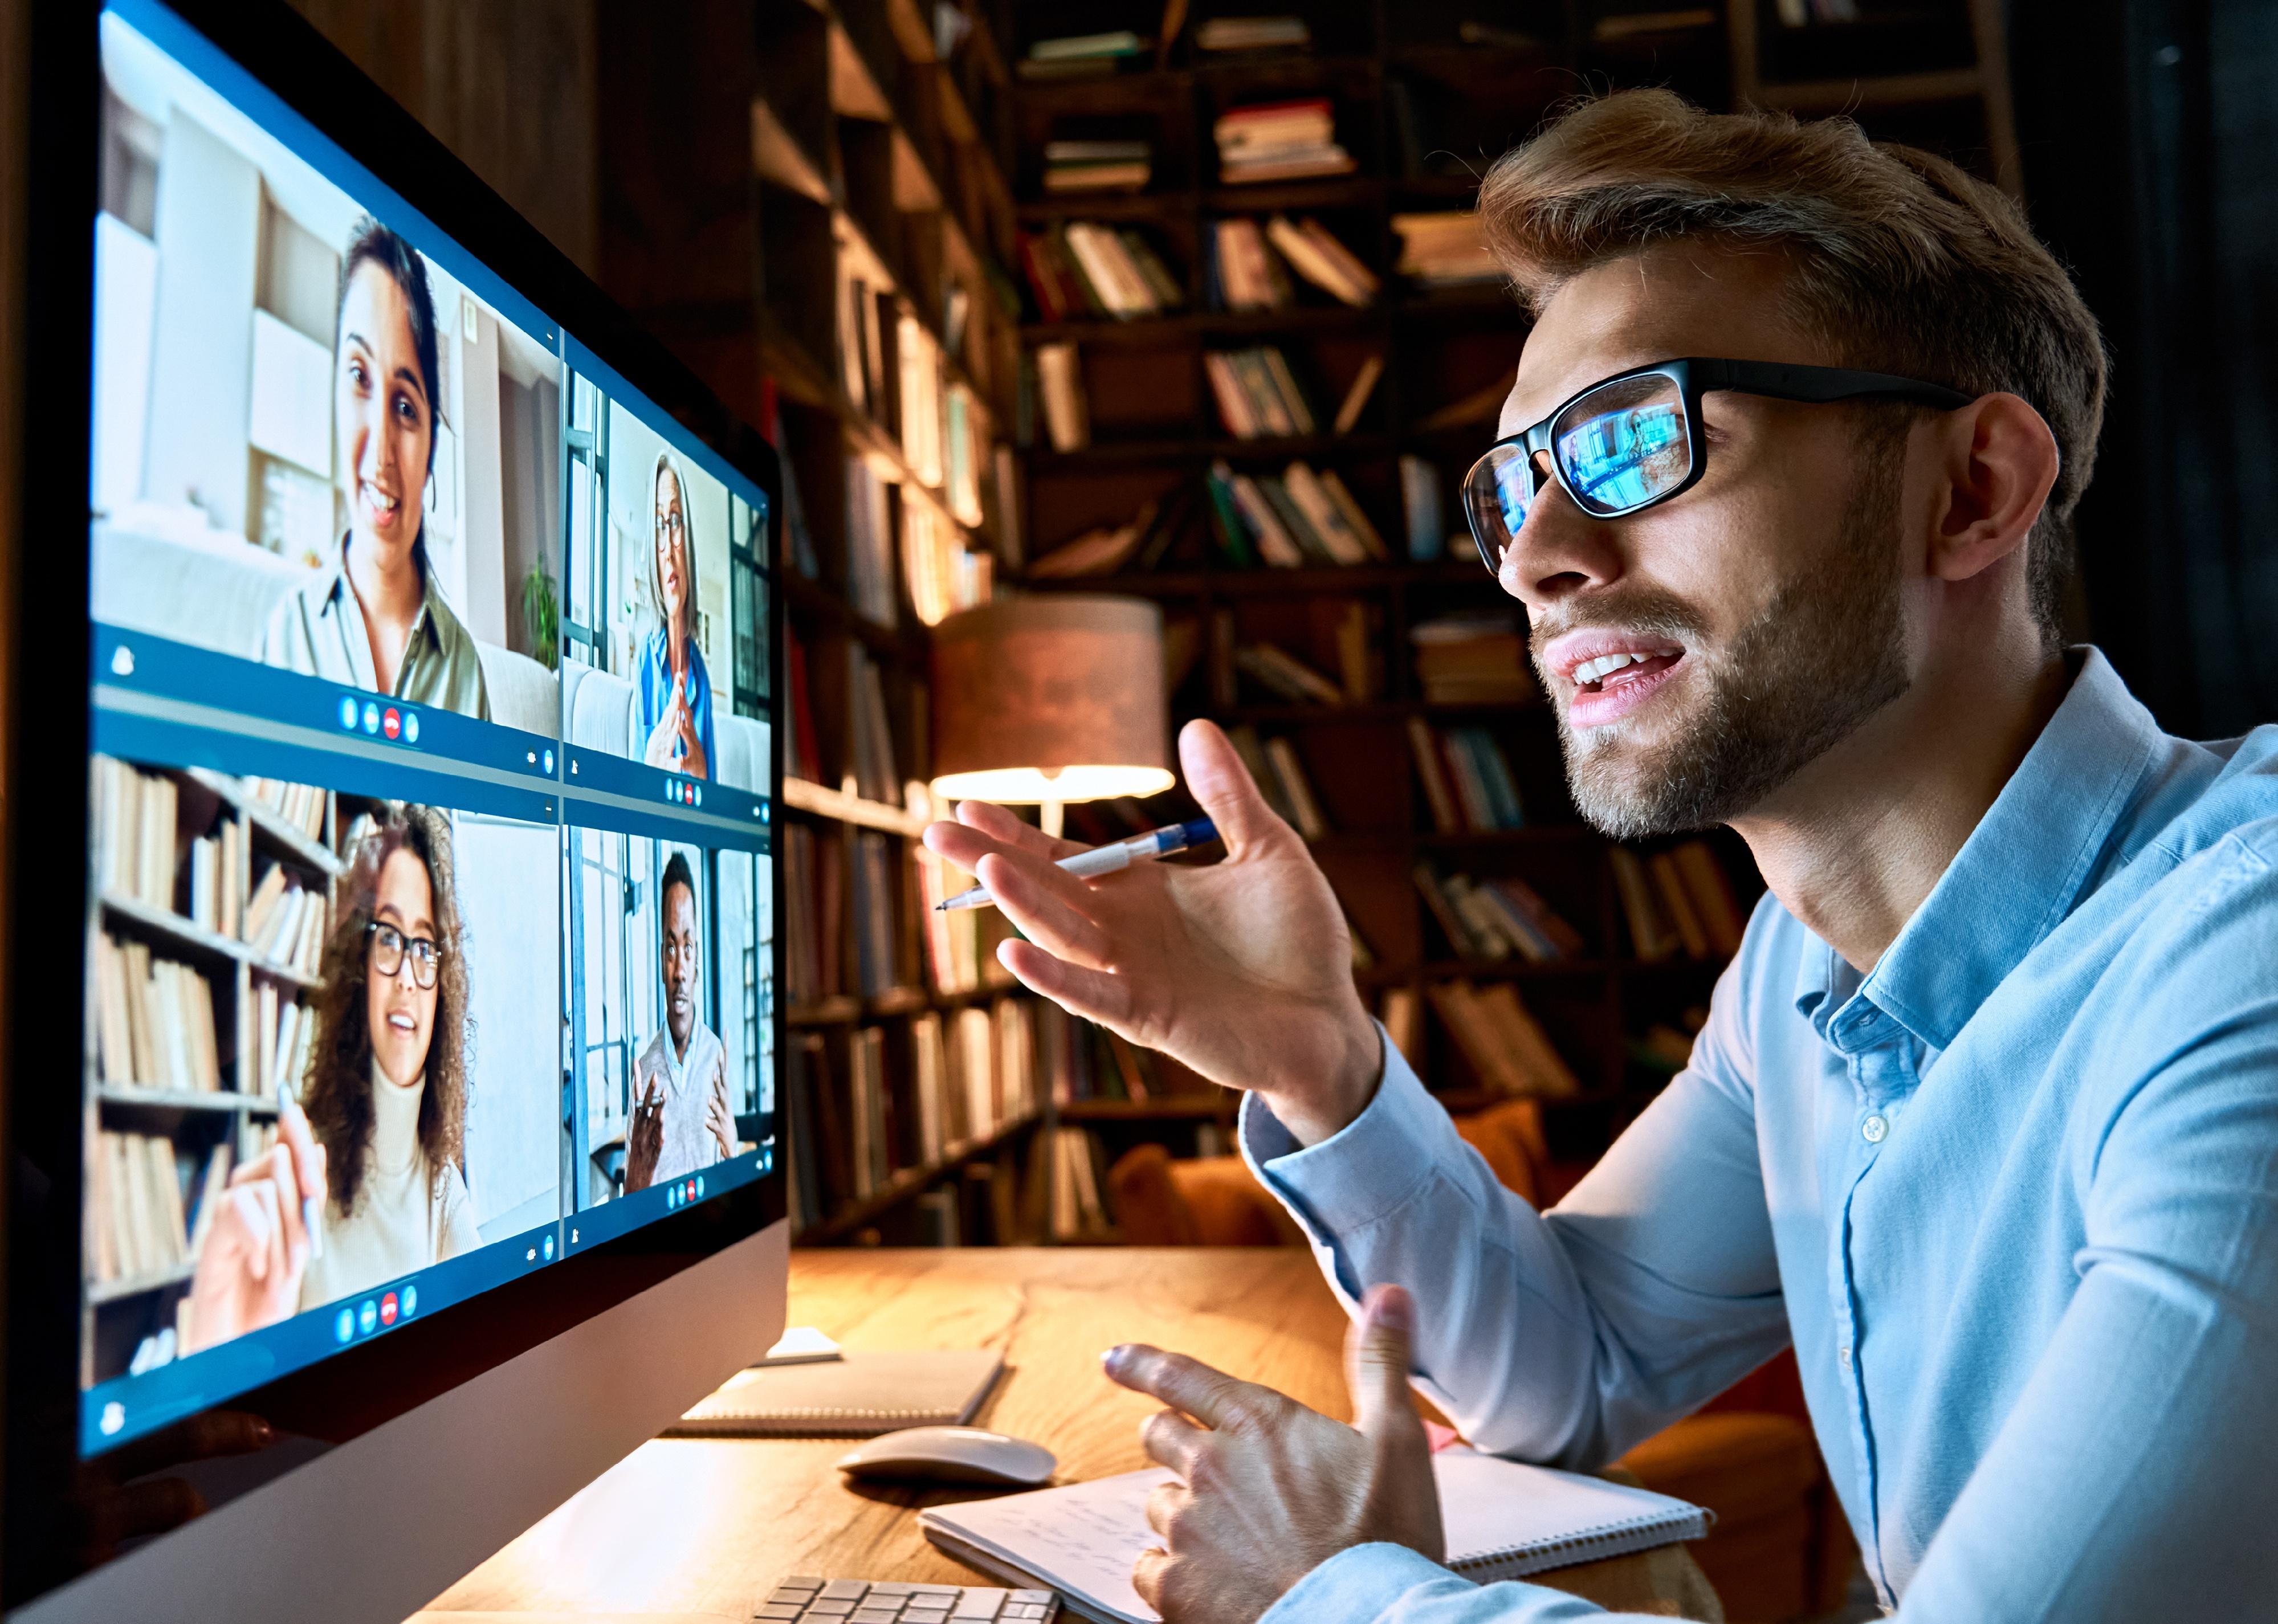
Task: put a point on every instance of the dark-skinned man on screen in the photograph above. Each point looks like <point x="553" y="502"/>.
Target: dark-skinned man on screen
<point x="681" y="1118"/>
<point x="1984" y="1120"/>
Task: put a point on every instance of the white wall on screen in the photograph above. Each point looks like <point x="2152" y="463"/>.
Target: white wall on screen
<point x="125" y="285"/>
<point x="509" y="904"/>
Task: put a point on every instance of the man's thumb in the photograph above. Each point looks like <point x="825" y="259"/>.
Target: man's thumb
<point x="1218" y="779"/>
<point x="1377" y="1364"/>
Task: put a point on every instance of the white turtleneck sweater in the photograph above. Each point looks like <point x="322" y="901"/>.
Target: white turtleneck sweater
<point x="409" y="1213"/>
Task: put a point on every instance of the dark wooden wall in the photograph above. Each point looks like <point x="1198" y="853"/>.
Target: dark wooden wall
<point x="511" y="86"/>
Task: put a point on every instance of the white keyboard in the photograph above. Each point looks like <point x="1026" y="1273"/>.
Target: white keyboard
<point x="800" y="1600"/>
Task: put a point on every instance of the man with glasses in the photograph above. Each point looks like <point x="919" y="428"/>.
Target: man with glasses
<point x="1984" y="1120"/>
<point x="682" y="1120"/>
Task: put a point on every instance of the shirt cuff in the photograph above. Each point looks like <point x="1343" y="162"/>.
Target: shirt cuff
<point x="1372" y="1166"/>
<point x="1365" y="1584"/>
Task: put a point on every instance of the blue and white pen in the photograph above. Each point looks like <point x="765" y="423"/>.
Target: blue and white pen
<point x="1108" y="859"/>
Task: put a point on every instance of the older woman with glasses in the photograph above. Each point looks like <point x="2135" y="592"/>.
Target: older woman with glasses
<point x="378" y="1158"/>
<point x="675" y="692"/>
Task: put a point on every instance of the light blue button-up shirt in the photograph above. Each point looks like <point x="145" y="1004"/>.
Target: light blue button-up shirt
<point x="2013" y="1195"/>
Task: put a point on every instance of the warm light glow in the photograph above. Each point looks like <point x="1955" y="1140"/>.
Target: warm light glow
<point x="1024" y="785"/>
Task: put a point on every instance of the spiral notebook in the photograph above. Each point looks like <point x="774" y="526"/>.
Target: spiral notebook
<point x="859" y="1395"/>
<point x="1504" y="1521"/>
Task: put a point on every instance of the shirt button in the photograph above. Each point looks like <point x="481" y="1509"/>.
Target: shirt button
<point x="1874" y="1130"/>
<point x="1843" y="1352"/>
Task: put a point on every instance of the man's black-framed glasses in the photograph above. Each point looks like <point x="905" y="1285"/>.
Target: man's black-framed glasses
<point x="390" y="947"/>
<point x="1634" y="439"/>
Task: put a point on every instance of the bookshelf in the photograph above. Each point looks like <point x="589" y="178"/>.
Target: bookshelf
<point x="827" y="222"/>
<point x="211" y="901"/>
<point x="1422" y="95"/>
<point x="819" y="221"/>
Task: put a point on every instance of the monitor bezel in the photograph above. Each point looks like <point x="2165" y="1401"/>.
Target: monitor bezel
<point x="349" y="1393"/>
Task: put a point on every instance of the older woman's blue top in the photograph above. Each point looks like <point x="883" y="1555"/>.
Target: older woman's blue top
<point x="654" y="681"/>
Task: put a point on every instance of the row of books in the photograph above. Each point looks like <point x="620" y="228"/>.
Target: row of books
<point x="869" y="543"/>
<point x="1280" y="774"/>
<point x="1475" y="657"/>
<point x="893" y="371"/>
<point x="1677" y="901"/>
<point x="960" y="948"/>
<point x="1083" y="56"/>
<point x="1443" y="249"/>
<point x="1081" y="268"/>
<point x="1081" y="1060"/>
<point x="152" y="1212"/>
<point x="1256" y="393"/>
<point x="1226" y="35"/>
<point x="1278" y="141"/>
<point x="945" y="575"/>
<point x="1059" y="372"/>
<point x="970" y="1074"/>
<point x="1466" y="777"/>
<point x="1079" y="1207"/>
<point x="1304" y="517"/>
<point x="300" y="806"/>
<point x="813" y="886"/>
<point x="1097" y="166"/>
<point x="1495" y="919"/>
<point x="136" y="816"/>
<point x="284" y="921"/>
<point x="1285" y="675"/>
<point x="284" y="1031"/>
<point x="871" y="771"/>
<point x="155" y="1022"/>
<point x="880" y="966"/>
<point x="1249" y="266"/>
<point x="1505" y="1047"/>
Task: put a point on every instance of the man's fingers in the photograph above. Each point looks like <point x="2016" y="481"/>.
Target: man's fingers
<point x="1170" y="1439"/>
<point x="1222" y="784"/>
<point x="1211" y="1397"/>
<point x="1377" y="1364"/>
<point x="1166" y="1503"/>
<point x="1147" y="1575"/>
<point x="1094" y="994"/>
<point x="1049" y="906"/>
<point x="995" y="822"/>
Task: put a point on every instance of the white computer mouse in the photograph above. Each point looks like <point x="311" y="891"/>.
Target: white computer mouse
<point x="951" y="1454"/>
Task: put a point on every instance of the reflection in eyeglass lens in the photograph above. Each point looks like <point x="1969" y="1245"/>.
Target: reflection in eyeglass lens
<point x="1624" y="445"/>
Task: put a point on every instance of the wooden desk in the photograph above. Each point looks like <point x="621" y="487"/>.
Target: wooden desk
<point x="706" y="1527"/>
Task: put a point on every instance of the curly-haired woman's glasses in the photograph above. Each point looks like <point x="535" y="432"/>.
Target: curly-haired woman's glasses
<point x="1634" y="439"/>
<point x="389" y="945"/>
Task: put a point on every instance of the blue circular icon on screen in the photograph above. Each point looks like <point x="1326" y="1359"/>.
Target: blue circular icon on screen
<point x="370" y="717"/>
<point x="368" y="1316"/>
<point x="549" y="764"/>
<point x="700" y="1186"/>
<point x="698" y="791"/>
<point x="410" y="1300"/>
<point x="344" y="1326"/>
<point x="547" y="1247"/>
<point x="411" y="727"/>
<point x="348" y="712"/>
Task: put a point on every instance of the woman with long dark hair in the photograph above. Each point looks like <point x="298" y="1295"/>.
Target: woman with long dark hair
<point x="373" y="617"/>
<point x="381" y="1148"/>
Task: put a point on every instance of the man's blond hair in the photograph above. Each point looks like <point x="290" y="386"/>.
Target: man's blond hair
<point x="1902" y="262"/>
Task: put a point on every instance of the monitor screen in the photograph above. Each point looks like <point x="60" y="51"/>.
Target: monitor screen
<point x="429" y="927"/>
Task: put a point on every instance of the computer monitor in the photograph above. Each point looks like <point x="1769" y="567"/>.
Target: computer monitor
<point x="391" y="1021"/>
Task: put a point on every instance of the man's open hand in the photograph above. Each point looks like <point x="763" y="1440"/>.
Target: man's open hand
<point x="1269" y="1490"/>
<point x="1241" y="969"/>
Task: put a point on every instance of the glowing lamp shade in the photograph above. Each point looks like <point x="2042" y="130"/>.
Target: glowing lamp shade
<point x="1050" y="698"/>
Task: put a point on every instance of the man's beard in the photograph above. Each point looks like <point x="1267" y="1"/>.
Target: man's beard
<point x="1822" y="657"/>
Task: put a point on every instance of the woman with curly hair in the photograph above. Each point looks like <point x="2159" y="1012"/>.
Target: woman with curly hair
<point x="381" y="1152"/>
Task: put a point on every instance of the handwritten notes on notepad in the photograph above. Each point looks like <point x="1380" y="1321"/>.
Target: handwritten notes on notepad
<point x="1503" y="1520"/>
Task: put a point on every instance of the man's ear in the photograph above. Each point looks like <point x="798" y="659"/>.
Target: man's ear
<point x="1998" y="461"/>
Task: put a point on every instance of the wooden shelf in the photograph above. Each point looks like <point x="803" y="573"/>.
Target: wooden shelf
<point x="102" y="1291"/>
<point x="824" y="802"/>
<point x="1265" y="449"/>
<point x="219" y="1100"/>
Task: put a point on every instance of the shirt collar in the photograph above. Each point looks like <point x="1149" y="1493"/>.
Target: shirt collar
<point x="338" y="593"/>
<point x="2013" y="883"/>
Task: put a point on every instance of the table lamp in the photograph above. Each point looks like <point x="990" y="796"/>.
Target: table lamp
<point x="1045" y="698"/>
